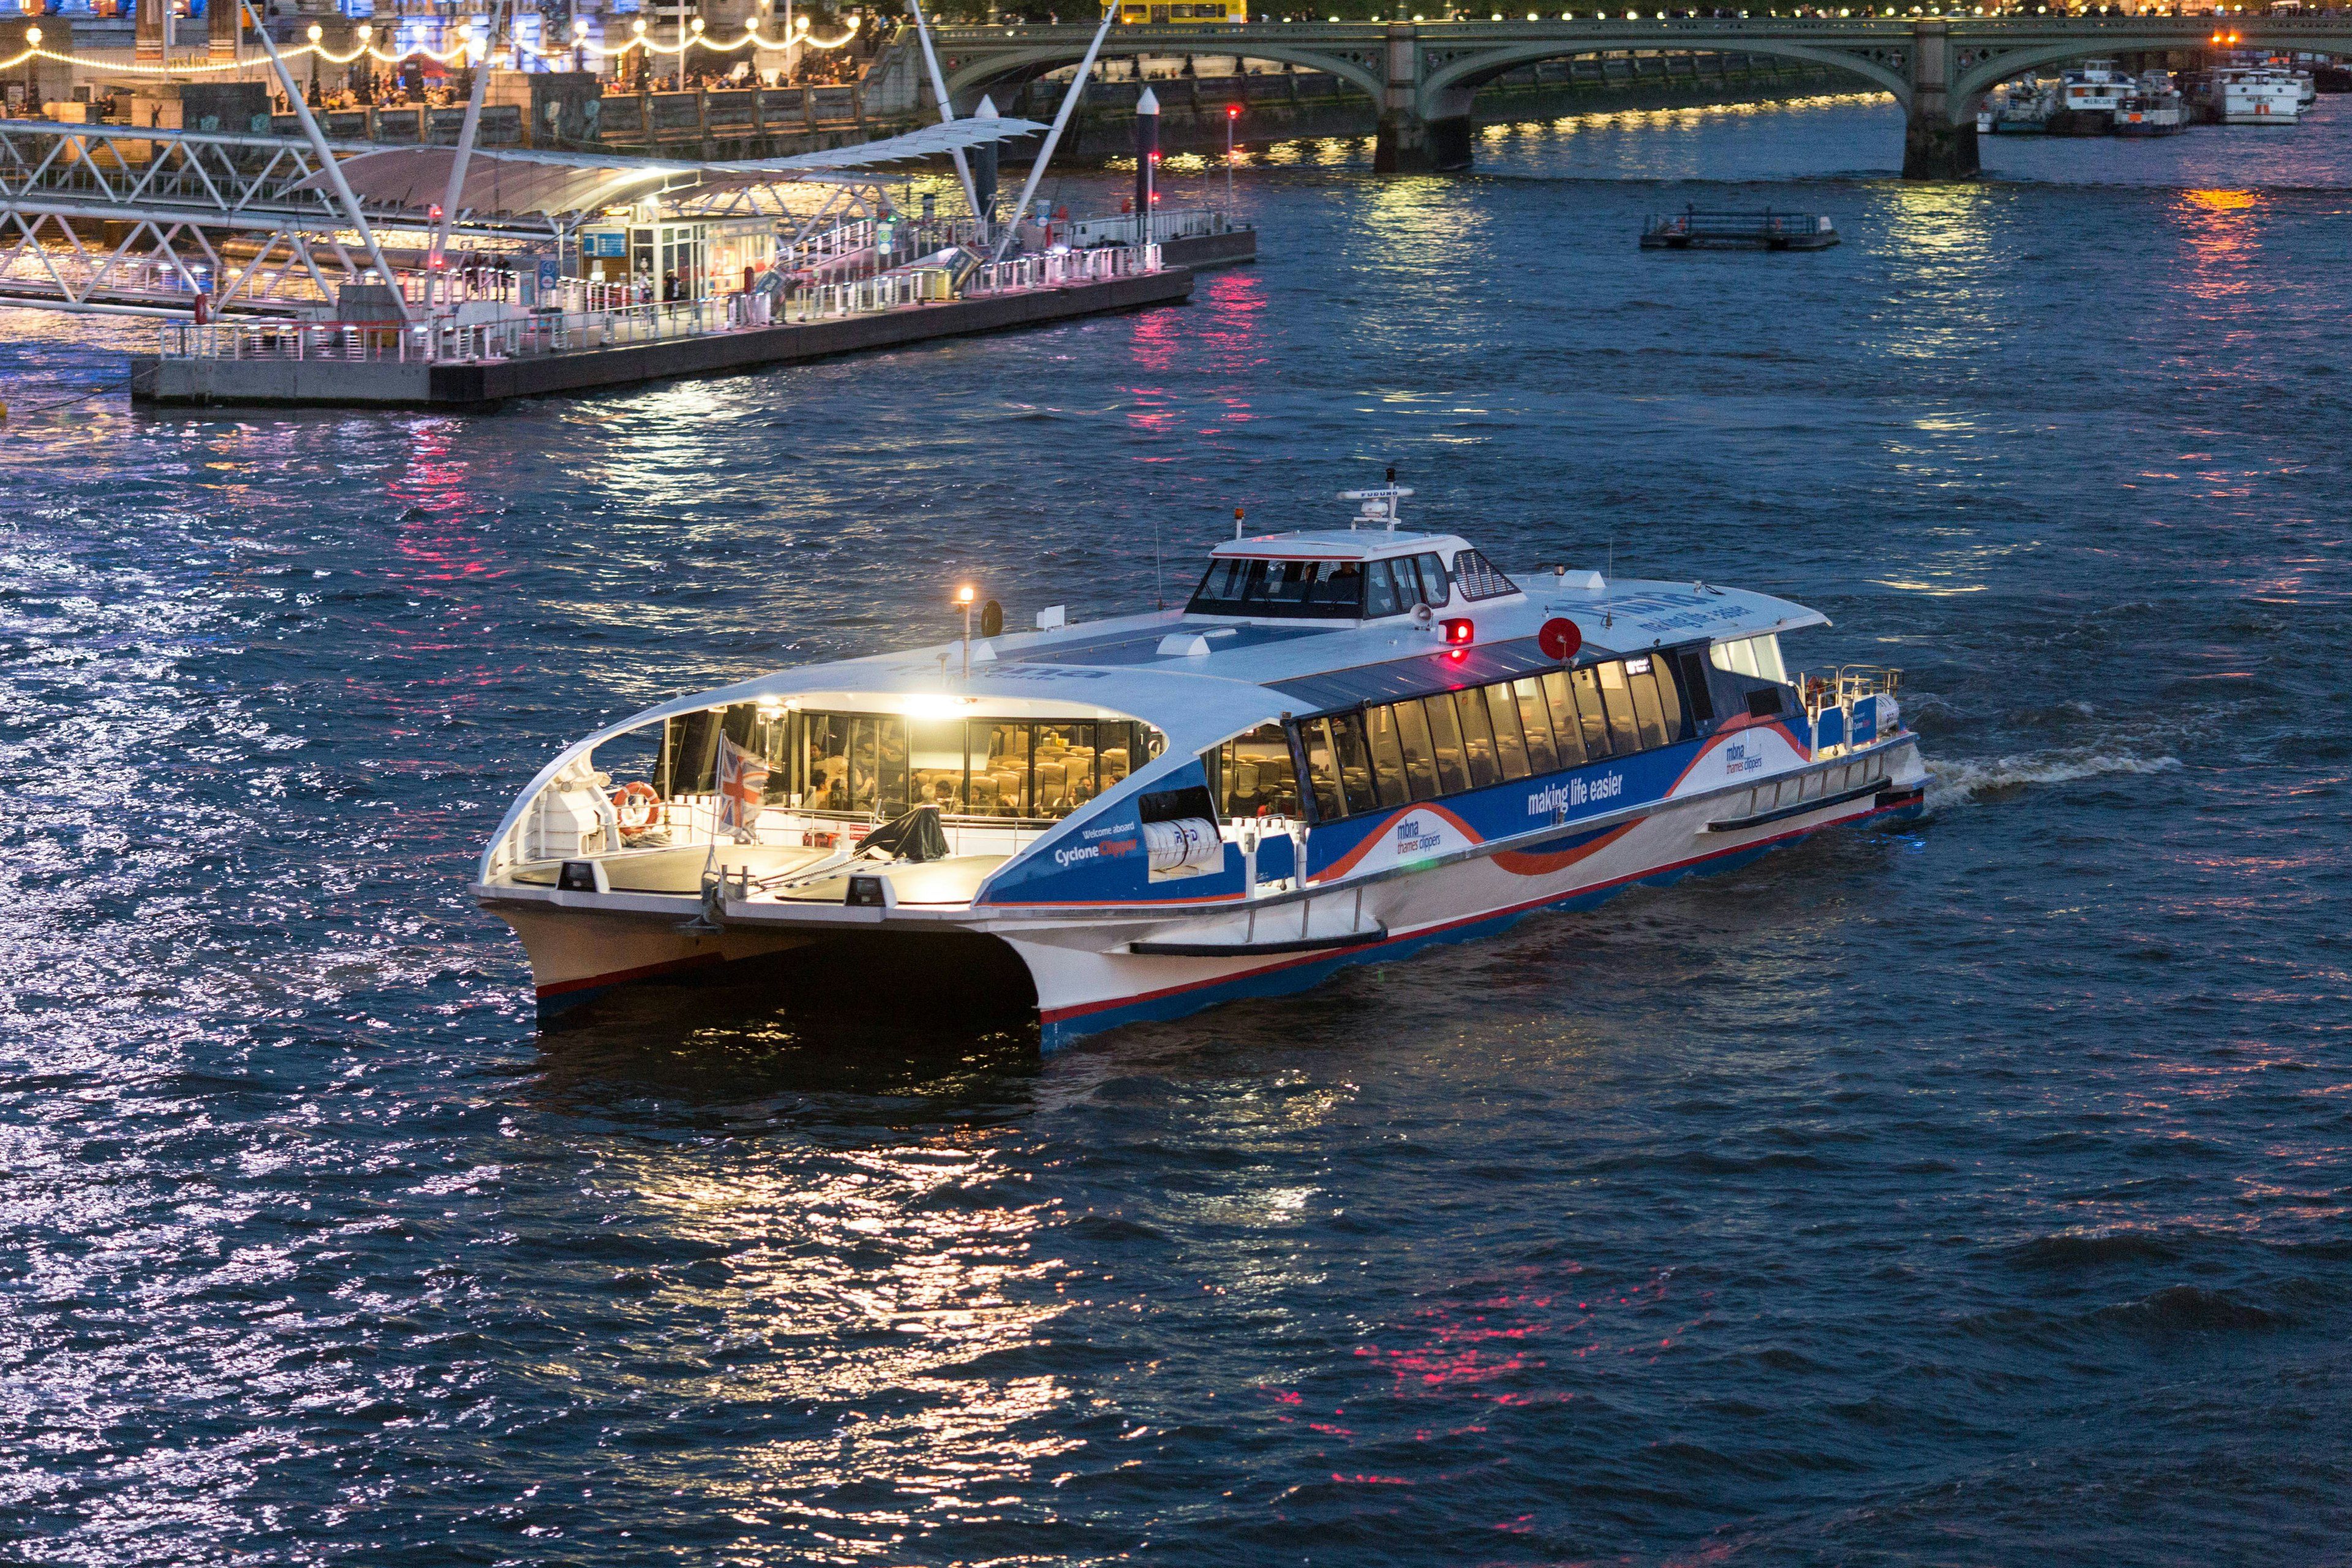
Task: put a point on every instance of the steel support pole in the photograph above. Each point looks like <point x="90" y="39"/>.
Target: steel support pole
<point x="327" y="165"/>
<point x="465" y="146"/>
<point x="1061" y="118"/>
<point x="947" y="109"/>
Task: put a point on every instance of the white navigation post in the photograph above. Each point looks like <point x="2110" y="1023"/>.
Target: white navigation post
<point x="327" y="163"/>
<point x="1061" y="118"/>
<point x="947" y="109"/>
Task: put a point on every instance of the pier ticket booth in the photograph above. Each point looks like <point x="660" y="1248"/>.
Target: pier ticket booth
<point x="708" y="258"/>
<point x="649" y="254"/>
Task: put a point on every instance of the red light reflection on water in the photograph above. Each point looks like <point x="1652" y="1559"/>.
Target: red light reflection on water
<point x="442" y="563"/>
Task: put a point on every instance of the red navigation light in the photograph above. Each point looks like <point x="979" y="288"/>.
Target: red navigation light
<point x="1233" y="111"/>
<point x="1459" y="633"/>
<point x="433" y="212"/>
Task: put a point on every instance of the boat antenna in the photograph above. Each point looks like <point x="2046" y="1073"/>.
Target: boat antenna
<point x="1379" y="505"/>
<point x="1158" y="591"/>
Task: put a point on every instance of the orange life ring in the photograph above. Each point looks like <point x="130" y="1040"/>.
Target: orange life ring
<point x="638" y="807"/>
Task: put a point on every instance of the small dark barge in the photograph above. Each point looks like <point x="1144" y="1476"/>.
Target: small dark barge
<point x="1691" y="229"/>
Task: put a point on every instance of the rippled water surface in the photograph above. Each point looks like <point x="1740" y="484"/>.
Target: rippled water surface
<point x="1975" y="1194"/>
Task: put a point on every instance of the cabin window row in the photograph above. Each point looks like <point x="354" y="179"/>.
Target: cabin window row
<point x="1400" y="754"/>
<point x="1345" y="590"/>
<point x="870" y="765"/>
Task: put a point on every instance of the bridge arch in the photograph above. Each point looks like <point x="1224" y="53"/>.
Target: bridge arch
<point x="1445" y="92"/>
<point x="1977" y="81"/>
<point x="978" y="74"/>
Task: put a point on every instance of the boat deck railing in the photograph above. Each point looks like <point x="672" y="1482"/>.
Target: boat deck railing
<point x="1840" y="692"/>
<point x="444" y="340"/>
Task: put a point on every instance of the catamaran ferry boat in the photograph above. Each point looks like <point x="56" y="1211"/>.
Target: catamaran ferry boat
<point x="1352" y="744"/>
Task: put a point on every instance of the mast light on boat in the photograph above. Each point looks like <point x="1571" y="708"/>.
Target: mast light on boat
<point x="1460" y="632"/>
<point x="966" y="594"/>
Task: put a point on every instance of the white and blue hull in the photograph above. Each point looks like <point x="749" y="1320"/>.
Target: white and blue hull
<point x="1452" y="884"/>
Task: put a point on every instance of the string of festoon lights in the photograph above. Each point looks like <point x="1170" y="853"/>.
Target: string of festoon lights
<point x="479" y="48"/>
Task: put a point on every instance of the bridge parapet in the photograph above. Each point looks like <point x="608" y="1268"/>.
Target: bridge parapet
<point x="1423" y="75"/>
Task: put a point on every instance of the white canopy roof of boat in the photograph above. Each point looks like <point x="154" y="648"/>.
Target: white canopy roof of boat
<point x="555" y="183"/>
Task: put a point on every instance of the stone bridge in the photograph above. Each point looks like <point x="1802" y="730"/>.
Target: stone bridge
<point x="1423" y="75"/>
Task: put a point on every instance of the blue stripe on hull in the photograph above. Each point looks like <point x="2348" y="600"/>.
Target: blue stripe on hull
<point x="1291" y="979"/>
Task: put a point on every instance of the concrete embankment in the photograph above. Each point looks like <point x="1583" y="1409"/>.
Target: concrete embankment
<point x="1277" y="108"/>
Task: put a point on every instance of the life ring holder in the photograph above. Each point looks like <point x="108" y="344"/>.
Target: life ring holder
<point x="638" y="809"/>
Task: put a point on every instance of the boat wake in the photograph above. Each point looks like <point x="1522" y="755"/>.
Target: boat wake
<point x="1981" y="781"/>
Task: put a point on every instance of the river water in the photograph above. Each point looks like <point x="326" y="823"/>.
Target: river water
<point x="1974" y="1193"/>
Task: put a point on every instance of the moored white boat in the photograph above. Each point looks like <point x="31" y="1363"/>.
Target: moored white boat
<point x="2088" y="95"/>
<point x="2257" y="95"/>
<point x="1352" y="744"/>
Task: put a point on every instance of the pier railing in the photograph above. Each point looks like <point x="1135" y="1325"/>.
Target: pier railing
<point x="444" y="341"/>
<point x="1182" y="223"/>
<point x="1059" y="270"/>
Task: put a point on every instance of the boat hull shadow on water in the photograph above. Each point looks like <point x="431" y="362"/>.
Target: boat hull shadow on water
<point x="1350" y="745"/>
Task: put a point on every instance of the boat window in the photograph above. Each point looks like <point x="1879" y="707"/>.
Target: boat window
<point x="1533" y="717"/>
<point x="1062" y="762"/>
<point x="1670" y="702"/>
<point x="1322" y="769"/>
<point x="1446" y="744"/>
<point x="1595" y="723"/>
<point x="1256" y="774"/>
<point x="881" y="764"/>
<point x="1648" y="719"/>
<point x="1380" y="592"/>
<point x="935" y="763"/>
<point x="1478" y="577"/>
<point x="1702" y="701"/>
<point x="1420" y="761"/>
<point x="1355" y="763"/>
<point x="1388" y="757"/>
<point x="1568" y="731"/>
<point x="1330" y="590"/>
<point x="1757" y="656"/>
<point x="1511" y="745"/>
<point x="1434" y="589"/>
<point x="1000" y="771"/>
<point x="1477" y="737"/>
<point x="689" y="755"/>
<point x="1624" y="733"/>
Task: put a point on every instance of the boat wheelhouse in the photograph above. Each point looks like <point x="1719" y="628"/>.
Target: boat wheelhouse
<point x="1349" y="743"/>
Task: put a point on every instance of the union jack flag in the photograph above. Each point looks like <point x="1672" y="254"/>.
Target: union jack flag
<point x="743" y="784"/>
